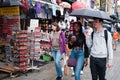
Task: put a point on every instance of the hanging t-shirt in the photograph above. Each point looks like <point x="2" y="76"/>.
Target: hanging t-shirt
<point x="42" y="14"/>
<point x="46" y="8"/>
<point x="31" y="13"/>
<point x="50" y="14"/>
<point x="62" y="24"/>
<point x="53" y="10"/>
<point x="61" y="11"/>
<point x="53" y="1"/>
<point x="38" y="7"/>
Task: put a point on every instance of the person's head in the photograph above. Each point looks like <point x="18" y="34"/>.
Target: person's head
<point x="55" y="26"/>
<point x="97" y="22"/>
<point x="115" y="29"/>
<point x="77" y="27"/>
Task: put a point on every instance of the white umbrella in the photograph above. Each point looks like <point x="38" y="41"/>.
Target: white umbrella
<point x="65" y="5"/>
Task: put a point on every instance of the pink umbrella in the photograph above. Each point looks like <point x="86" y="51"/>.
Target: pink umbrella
<point x="78" y="5"/>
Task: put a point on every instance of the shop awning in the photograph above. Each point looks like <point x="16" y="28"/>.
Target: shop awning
<point x="10" y="3"/>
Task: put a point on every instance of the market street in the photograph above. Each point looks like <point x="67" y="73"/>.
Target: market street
<point x="47" y="72"/>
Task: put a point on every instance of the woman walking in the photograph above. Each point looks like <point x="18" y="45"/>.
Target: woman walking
<point x="58" y="46"/>
<point x="79" y="49"/>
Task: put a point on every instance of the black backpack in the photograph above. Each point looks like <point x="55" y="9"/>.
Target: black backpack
<point x="105" y="35"/>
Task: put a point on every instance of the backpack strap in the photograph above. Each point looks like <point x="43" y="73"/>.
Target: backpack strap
<point x="92" y="35"/>
<point x="106" y="36"/>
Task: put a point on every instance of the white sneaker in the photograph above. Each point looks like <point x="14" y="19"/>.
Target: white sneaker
<point x="71" y="68"/>
<point x="73" y="74"/>
<point x="62" y="68"/>
<point x="81" y="72"/>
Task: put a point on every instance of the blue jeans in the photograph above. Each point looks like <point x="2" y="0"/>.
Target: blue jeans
<point x="79" y="55"/>
<point x="57" y="56"/>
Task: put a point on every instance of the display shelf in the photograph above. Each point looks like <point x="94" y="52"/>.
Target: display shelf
<point x="34" y="47"/>
<point x="21" y="59"/>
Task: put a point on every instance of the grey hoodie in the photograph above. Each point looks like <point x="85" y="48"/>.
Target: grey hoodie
<point x="99" y="48"/>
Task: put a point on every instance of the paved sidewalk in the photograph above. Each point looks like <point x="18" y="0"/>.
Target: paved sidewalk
<point x="47" y="72"/>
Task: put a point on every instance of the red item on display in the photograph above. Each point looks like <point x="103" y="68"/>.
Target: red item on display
<point x="23" y="69"/>
<point x="78" y="5"/>
<point x="22" y="53"/>
<point x="23" y="65"/>
<point x="22" y="56"/>
<point x="23" y="32"/>
<point x="21" y="49"/>
<point x="58" y="1"/>
<point x="22" y="41"/>
<point x="9" y="32"/>
<point x="71" y="28"/>
<point x="25" y="4"/>
<point x="23" y="60"/>
<point x="22" y="44"/>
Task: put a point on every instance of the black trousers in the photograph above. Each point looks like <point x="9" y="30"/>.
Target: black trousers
<point x="98" y="68"/>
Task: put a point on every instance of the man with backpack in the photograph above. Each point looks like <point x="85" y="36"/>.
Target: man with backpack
<point x="101" y="52"/>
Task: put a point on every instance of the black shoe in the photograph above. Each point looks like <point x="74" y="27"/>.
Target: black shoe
<point x="114" y="49"/>
<point x="59" y="78"/>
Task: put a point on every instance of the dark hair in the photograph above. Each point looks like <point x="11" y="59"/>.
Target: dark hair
<point x="79" y="24"/>
<point x="101" y="20"/>
<point x="56" y="24"/>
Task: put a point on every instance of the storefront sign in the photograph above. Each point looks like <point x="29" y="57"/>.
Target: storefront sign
<point x="34" y="23"/>
<point x="9" y="10"/>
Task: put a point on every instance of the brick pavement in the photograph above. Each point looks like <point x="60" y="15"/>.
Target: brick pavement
<point x="48" y="72"/>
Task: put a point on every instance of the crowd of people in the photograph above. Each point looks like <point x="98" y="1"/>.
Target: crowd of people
<point x="80" y="42"/>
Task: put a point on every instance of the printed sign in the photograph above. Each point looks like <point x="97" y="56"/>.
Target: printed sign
<point x="9" y="10"/>
<point x="34" y="23"/>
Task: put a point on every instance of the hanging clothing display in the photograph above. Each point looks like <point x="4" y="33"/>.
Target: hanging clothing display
<point x="30" y="3"/>
<point x="50" y="14"/>
<point x="53" y="1"/>
<point x="67" y="17"/>
<point x="25" y="4"/>
<point x="53" y="10"/>
<point x="42" y="14"/>
<point x="31" y="13"/>
<point x="62" y="24"/>
<point x="46" y="8"/>
<point x="62" y="11"/>
<point x="92" y="3"/>
<point x="38" y="7"/>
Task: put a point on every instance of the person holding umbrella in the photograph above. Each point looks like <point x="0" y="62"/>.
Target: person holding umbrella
<point x="101" y="52"/>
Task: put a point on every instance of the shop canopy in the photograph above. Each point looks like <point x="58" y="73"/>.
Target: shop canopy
<point x="10" y="3"/>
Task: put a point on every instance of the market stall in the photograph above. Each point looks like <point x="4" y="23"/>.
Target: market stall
<point x="24" y="38"/>
<point x="10" y="21"/>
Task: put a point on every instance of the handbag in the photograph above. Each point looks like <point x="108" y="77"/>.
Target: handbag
<point x="71" y="62"/>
